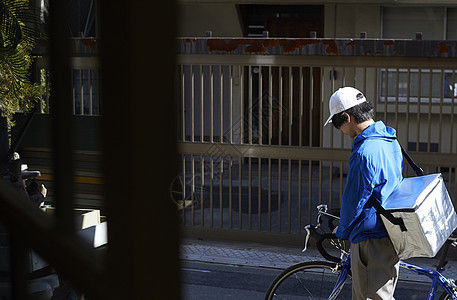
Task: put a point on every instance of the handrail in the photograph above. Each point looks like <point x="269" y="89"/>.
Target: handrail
<point x="361" y="47"/>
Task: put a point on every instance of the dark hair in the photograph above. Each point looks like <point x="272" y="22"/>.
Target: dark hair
<point x="361" y="112"/>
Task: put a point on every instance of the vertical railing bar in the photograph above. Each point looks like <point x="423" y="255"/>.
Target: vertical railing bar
<point x="455" y="184"/>
<point x="270" y="106"/>
<point x="192" y="103"/>
<point x="452" y="114"/>
<point x="330" y="188"/>
<point x="429" y="116"/>
<point x="230" y="192"/>
<point x="260" y="114"/>
<point x="311" y="91"/>
<point x="289" y="198"/>
<point x="279" y="194"/>
<point x="419" y="100"/>
<point x="290" y="105"/>
<point x="183" y="104"/>
<point x="250" y="108"/>
<point x="408" y="95"/>
<point x="440" y="131"/>
<point x="73" y="91"/>
<point x="375" y="89"/>
<point x="300" y="114"/>
<point x="211" y="104"/>
<point x="450" y="179"/>
<point x="280" y="106"/>
<point x="202" y="86"/>
<point x="332" y="84"/>
<point x="299" y="195"/>
<point x="90" y="92"/>
<point x="344" y="84"/>
<point x="310" y="187"/>
<point x="259" y="197"/>
<point x="241" y="104"/>
<point x="230" y="105"/>
<point x="321" y="109"/>
<point x="192" y="185"/>
<point x="221" y="173"/>
<point x="386" y="93"/>
<point x="81" y="92"/>
<point x="240" y="184"/>
<point x="269" y="194"/>
<point x="397" y="78"/>
<point x="250" y="193"/>
<point x="183" y="185"/>
<point x="211" y="172"/>
<point x="202" y="184"/>
<point x="320" y="182"/>
<point x="341" y="181"/>
<point x="221" y="104"/>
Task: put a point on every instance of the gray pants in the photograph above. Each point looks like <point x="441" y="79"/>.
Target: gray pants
<point x="374" y="265"/>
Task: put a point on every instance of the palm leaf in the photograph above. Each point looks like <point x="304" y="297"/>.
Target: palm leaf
<point x="16" y="40"/>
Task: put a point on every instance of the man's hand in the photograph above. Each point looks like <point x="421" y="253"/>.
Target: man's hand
<point x="334" y="230"/>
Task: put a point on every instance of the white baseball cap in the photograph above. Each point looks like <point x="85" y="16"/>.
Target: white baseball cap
<point x="344" y="98"/>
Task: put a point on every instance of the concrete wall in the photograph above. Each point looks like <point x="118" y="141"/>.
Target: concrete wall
<point x="349" y="20"/>
<point x="342" y="20"/>
<point x="197" y="19"/>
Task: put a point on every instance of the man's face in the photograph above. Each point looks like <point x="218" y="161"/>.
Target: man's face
<point x="348" y="128"/>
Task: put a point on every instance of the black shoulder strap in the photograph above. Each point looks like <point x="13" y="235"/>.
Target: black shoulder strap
<point x="378" y="206"/>
<point x="418" y="170"/>
<point x="386" y="214"/>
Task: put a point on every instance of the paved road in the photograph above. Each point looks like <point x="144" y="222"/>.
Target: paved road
<point x="221" y="281"/>
<point x="216" y="281"/>
<point x="228" y="270"/>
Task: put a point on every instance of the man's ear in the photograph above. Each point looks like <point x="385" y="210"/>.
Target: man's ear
<point x="347" y="118"/>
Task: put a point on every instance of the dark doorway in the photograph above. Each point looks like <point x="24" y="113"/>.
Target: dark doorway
<point x="282" y="20"/>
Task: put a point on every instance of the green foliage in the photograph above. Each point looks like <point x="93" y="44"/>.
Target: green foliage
<point x="16" y="42"/>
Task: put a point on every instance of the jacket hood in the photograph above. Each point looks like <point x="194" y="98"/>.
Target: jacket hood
<point x="377" y="130"/>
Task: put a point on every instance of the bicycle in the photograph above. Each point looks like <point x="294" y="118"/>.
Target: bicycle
<point x="326" y="279"/>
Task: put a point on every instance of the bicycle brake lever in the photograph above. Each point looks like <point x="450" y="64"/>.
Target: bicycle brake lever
<point x="308" y="233"/>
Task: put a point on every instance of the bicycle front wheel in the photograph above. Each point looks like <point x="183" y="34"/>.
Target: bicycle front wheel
<point x="308" y="280"/>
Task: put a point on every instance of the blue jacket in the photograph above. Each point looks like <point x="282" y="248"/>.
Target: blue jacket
<point x="375" y="168"/>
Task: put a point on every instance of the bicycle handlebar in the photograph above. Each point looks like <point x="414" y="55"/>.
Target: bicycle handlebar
<point x="312" y="230"/>
<point x="321" y="236"/>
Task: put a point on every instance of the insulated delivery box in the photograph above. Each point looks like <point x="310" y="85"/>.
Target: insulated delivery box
<point x="428" y="214"/>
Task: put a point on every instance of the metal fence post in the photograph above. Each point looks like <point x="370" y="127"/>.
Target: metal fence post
<point x="139" y="140"/>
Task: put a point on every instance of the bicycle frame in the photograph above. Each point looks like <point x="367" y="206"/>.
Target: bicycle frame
<point x="345" y="268"/>
<point x="436" y="277"/>
<point x="449" y="285"/>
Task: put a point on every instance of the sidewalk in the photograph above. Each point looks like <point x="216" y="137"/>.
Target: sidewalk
<point x="280" y="257"/>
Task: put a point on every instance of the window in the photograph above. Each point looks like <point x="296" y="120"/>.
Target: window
<point x="435" y="23"/>
<point x="434" y="85"/>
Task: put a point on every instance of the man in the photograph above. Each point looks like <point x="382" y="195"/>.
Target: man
<point x="375" y="169"/>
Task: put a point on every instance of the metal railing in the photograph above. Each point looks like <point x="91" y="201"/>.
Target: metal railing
<point x="255" y="157"/>
<point x="85" y="79"/>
